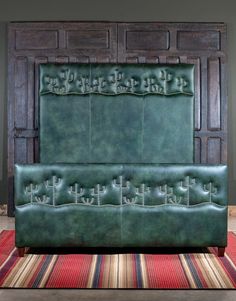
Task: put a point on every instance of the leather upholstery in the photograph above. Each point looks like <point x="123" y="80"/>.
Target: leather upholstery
<point x="127" y="226"/>
<point x="116" y="184"/>
<point x="128" y="118"/>
<point x="120" y="205"/>
<point x="125" y="113"/>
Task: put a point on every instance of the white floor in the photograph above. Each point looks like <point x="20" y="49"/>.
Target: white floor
<point x="113" y="295"/>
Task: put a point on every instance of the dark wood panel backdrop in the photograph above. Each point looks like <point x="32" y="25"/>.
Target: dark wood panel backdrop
<point x="32" y="43"/>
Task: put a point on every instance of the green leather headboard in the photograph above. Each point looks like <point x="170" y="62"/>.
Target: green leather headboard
<point x="116" y="113"/>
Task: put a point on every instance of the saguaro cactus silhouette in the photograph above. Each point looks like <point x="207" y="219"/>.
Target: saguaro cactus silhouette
<point x="97" y="191"/>
<point x="141" y="192"/>
<point x="31" y="190"/>
<point x="68" y="78"/>
<point x="181" y="83"/>
<point x="186" y="185"/>
<point x="121" y="186"/>
<point x="166" y="77"/>
<point x="152" y="85"/>
<point x="98" y="84"/>
<point x="53" y="185"/>
<point x="211" y="189"/>
<point x="131" y="84"/>
<point x="53" y="84"/>
<point x="83" y="84"/>
<point x="166" y="191"/>
<point x="76" y="192"/>
<point x="116" y="79"/>
<point x="169" y="195"/>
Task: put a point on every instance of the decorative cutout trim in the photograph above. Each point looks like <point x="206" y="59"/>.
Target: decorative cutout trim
<point x="68" y="80"/>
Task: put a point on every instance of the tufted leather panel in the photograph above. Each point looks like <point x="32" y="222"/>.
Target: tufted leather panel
<point x="107" y="113"/>
<point x="121" y="205"/>
<point x="116" y="79"/>
<point x="116" y="184"/>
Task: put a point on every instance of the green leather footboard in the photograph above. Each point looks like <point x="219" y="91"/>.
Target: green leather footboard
<point x="115" y="205"/>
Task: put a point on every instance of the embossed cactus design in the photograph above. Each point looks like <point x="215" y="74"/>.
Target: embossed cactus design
<point x="76" y="192"/>
<point x="116" y="79"/>
<point x="181" y="83"/>
<point x="98" y="84"/>
<point x="83" y="84"/>
<point x="152" y="86"/>
<point x="141" y="192"/>
<point x="186" y="185"/>
<point x="97" y="191"/>
<point x="131" y="84"/>
<point x="121" y="186"/>
<point x="31" y="190"/>
<point x="53" y="185"/>
<point x="130" y="201"/>
<point x="68" y="78"/>
<point x="166" y="77"/>
<point x="211" y="189"/>
<point x="44" y="199"/>
<point x="166" y="191"/>
<point x="87" y="201"/>
<point x="175" y="200"/>
<point x="53" y="84"/>
<point x="64" y="83"/>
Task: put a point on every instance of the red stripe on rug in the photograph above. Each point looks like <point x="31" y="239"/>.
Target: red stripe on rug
<point x="165" y="271"/>
<point x="7" y="244"/>
<point x="231" y="248"/>
<point x="70" y="271"/>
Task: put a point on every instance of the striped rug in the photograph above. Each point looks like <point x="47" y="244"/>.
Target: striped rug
<point x="164" y="271"/>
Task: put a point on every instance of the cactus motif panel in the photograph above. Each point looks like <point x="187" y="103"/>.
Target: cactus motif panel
<point x="108" y="113"/>
<point x="120" y="185"/>
<point x="111" y="79"/>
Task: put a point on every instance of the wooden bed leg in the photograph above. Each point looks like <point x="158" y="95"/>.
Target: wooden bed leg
<point x="21" y="251"/>
<point x="221" y="251"/>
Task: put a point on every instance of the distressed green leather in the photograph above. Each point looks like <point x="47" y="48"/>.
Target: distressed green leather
<point x="116" y="113"/>
<point x="120" y="205"/>
<point x="114" y="123"/>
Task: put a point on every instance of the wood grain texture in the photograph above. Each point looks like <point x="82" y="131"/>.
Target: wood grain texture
<point x="198" y="40"/>
<point x="147" y="40"/>
<point x="214" y="150"/>
<point x="214" y="101"/>
<point x="32" y="43"/>
<point x="32" y="39"/>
